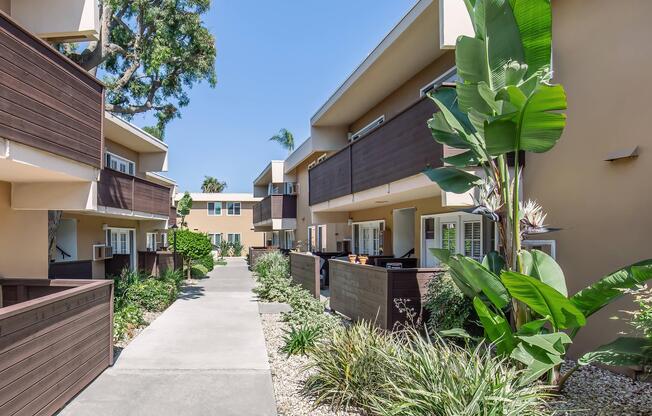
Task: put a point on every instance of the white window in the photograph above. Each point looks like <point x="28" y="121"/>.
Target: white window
<point x="214" y="209"/>
<point x="459" y="232"/>
<point x="291" y="188"/>
<point x="115" y="162"/>
<point x="289" y="239"/>
<point x="151" y="242"/>
<point x="368" y="237"/>
<point x="321" y="238"/>
<point x="233" y="208"/>
<point x="216" y="238"/>
<point x="164" y="239"/>
<point x="547" y="246"/>
<point x="120" y="241"/>
<point x="233" y="238"/>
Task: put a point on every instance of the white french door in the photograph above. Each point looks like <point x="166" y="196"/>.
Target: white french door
<point x="458" y="232"/>
<point x="368" y="237"/>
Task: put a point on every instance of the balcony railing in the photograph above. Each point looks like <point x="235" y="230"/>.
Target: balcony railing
<point x="118" y="190"/>
<point x="46" y="101"/>
<point x="400" y="148"/>
<point x="275" y="207"/>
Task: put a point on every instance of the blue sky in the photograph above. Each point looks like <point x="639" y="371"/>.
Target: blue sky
<point x="277" y="62"/>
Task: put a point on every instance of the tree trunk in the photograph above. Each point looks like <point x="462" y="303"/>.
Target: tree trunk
<point x="54" y="218"/>
<point x="188" y="269"/>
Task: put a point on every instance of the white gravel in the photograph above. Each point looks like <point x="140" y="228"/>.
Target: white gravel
<point x="594" y="391"/>
<point x="288" y="375"/>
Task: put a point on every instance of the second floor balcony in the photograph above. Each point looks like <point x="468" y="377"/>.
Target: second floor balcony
<point x="276" y="212"/>
<point x="400" y="148"/>
<point x="121" y="193"/>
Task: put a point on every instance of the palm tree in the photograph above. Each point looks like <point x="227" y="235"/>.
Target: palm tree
<point x="211" y="185"/>
<point x="285" y="139"/>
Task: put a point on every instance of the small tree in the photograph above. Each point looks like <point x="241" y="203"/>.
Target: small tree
<point x="285" y="139"/>
<point x="193" y="247"/>
<point x="183" y="207"/>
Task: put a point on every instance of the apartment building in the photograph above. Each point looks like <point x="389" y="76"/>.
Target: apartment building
<point x="225" y="217"/>
<point x="359" y="181"/>
<point x="130" y="214"/>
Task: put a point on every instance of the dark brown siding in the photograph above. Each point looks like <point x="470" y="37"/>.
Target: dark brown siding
<point x="119" y="190"/>
<point x="275" y="207"/>
<point x="52" y="346"/>
<point x="82" y="269"/>
<point x="46" y="101"/>
<point x="363" y="292"/>
<point x="400" y="148"/>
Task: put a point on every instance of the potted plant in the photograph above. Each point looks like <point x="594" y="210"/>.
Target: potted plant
<point x="352" y="258"/>
<point x="363" y="259"/>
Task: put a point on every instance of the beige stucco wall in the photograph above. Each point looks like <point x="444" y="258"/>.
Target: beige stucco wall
<point x="406" y="94"/>
<point x="5" y="6"/>
<point x="601" y="55"/>
<point x="199" y="220"/>
<point x="23" y="239"/>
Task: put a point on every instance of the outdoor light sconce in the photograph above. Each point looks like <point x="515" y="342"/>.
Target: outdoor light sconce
<point x="624" y="153"/>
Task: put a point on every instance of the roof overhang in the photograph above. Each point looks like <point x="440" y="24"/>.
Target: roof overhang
<point x="408" y="48"/>
<point x="273" y="173"/>
<point x="124" y="133"/>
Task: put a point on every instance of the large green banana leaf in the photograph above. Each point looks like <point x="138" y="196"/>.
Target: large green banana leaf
<point x="621" y="352"/>
<point x="544" y="300"/>
<point x="534" y="20"/>
<point x="496" y="328"/>
<point x="540" y="353"/>
<point x="541" y="266"/>
<point x="452" y="179"/>
<point x="609" y="288"/>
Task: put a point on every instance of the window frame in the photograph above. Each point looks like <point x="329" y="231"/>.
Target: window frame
<point x="212" y="213"/>
<point x="109" y="156"/>
<point x="357" y="241"/>
<point x="233" y="203"/>
<point x="153" y="240"/>
<point x="459" y="219"/>
<point x="551" y="243"/>
<point x="228" y="237"/>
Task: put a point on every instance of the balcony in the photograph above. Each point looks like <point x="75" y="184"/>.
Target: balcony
<point x="47" y="102"/>
<point x="125" y="194"/>
<point x="400" y="148"/>
<point x="276" y="212"/>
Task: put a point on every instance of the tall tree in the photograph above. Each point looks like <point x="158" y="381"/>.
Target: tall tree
<point x="284" y="138"/>
<point x="183" y="207"/>
<point x="149" y="53"/>
<point x="211" y="185"/>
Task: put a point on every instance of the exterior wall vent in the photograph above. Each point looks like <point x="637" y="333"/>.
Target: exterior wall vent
<point x="367" y="129"/>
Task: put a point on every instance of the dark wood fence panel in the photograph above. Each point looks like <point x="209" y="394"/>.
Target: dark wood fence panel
<point x="118" y="190"/>
<point x="81" y="269"/>
<point x="275" y="207"/>
<point x="331" y="178"/>
<point x="359" y="292"/>
<point x="52" y="346"/>
<point x="46" y="101"/>
<point x="114" y="266"/>
<point x="156" y="263"/>
<point x="304" y="270"/>
<point x="363" y="292"/>
<point x="173" y="216"/>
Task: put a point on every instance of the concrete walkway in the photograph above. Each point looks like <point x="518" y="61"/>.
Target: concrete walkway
<point x="205" y="355"/>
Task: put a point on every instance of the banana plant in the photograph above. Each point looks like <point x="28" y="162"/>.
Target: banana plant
<point x="540" y="345"/>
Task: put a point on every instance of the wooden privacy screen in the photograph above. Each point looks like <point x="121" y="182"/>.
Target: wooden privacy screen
<point x="53" y="342"/>
<point x="304" y="269"/>
<point x="363" y="292"/>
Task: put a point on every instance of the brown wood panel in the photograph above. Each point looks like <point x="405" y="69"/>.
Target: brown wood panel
<point x="119" y="190"/>
<point x="410" y="285"/>
<point x="47" y="102"/>
<point x="114" y="266"/>
<point x="359" y="291"/>
<point x="81" y="269"/>
<point x="304" y="270"/>
<point x="172" y="220"/>
<point x="275" y="207"/>
<point x="331" y="178"/>
<point x="51" y="347"/>
<point x="151" y="197"/>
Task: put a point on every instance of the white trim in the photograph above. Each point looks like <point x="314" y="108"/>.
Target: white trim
<point x="239" y="208"/>
<point x="133" y="254"/>
<point x="437" y="82"/>
<point x="230" y="234"/>
<point x="551" y="243"/>
<point x="366" y="129"/>
<point x="212" y="213"/>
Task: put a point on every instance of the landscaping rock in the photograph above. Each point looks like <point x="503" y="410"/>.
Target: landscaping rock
<point x="288" y="375"/>
<point x="594" y="391"/>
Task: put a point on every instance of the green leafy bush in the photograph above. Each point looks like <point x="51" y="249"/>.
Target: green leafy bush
<point x="198" y="270"/>
<point x="174" y="276"/>
<point x="306" y="310"/>
<point x="446" y="305"/>
<point x="152" y="294"/>
<point x="641" y="318"/>
<point x="126" y="318"/>
<point x="236" y="249"/>
<point x="225" y="248"/>
<point x="208" y="261"/>
<point x="300" y="340"/>
<point x="193" y="247"/>
<point x="265" y="262"/>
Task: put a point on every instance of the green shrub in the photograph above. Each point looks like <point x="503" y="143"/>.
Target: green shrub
<point x="152" y="295"/>
<point x="192" y="246"/>
<point x="347" y="369"/>
<point x="440" y="378"/>
<point x="236" y="249"/>
<point x="208" y="261"/>
<point x="300" y="340"/>
<point x="446" y="305"/>
<point x="265" y="262"/>
<point x="198" y="270"/>
<point x="306" y="310"/>
<point x="225" y="248"/>
<point x="126" y="318"/>
<point x="174" y="276"/>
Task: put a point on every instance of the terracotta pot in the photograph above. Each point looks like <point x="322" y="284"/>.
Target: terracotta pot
<point x="352" y="258"/>
<point x="363" y="259"/>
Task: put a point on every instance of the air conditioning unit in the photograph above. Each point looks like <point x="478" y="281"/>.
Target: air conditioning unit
<point x="291" y="188"/>
<point x="102" y="252"/>
<point x="367" y="129"/>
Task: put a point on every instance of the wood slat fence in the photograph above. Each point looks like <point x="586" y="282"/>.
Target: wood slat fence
<point x="304" y="269"/>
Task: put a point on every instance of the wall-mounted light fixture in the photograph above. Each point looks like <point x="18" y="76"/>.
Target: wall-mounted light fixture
<point x="624" y="153"/>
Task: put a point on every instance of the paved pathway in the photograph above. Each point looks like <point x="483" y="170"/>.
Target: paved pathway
<point x="205" y="355"/>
